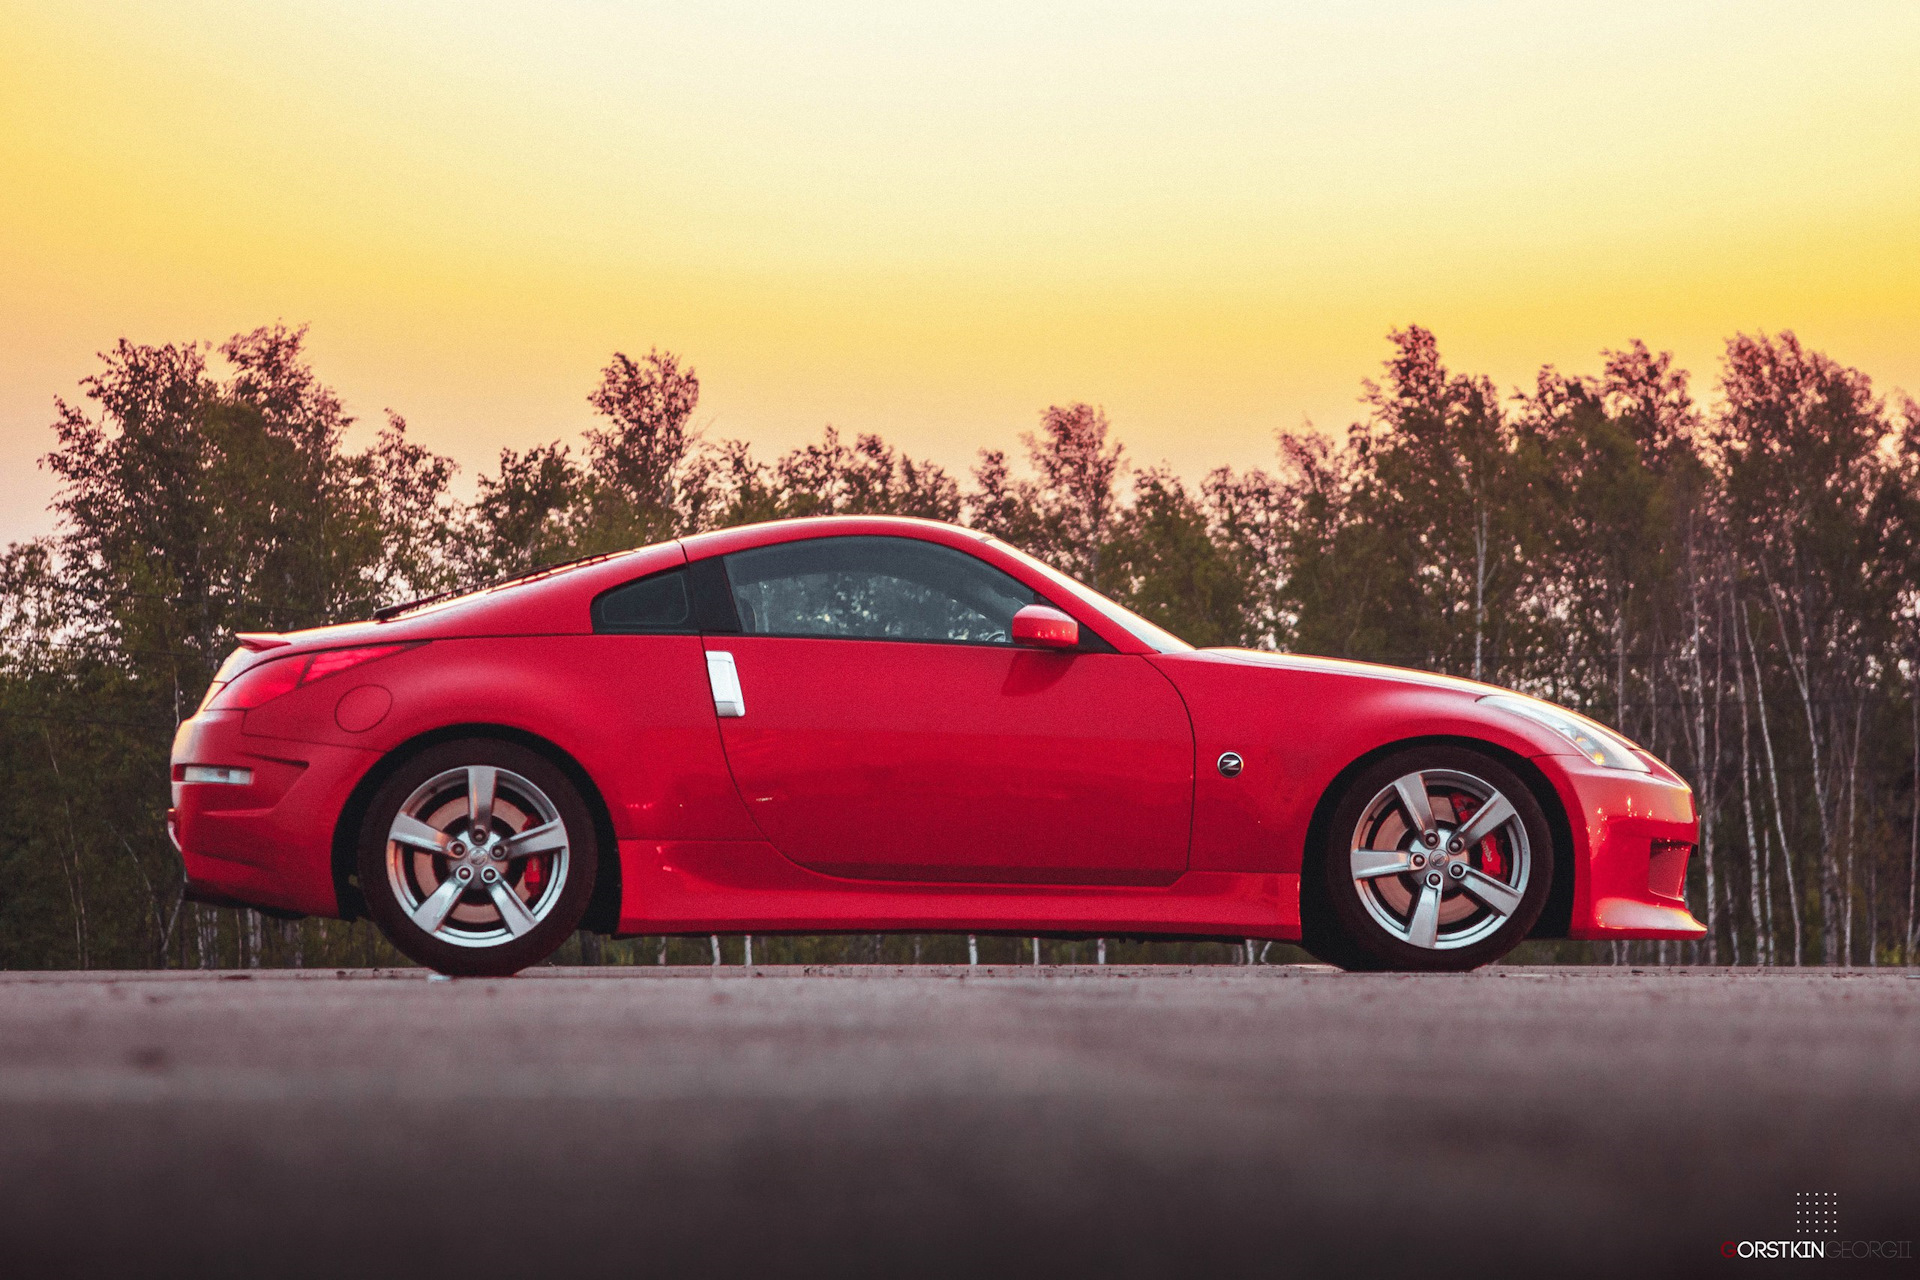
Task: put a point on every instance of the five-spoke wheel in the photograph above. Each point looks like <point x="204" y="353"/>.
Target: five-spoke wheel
<point x="477" y="857"/>
<point x="1437" y="858"/>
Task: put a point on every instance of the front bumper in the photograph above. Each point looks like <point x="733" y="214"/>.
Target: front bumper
<point x="269" y="842"/>
<point x="1633" y="834"/>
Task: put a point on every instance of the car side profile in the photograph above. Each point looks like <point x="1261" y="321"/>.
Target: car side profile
<point x="874" y="724"/>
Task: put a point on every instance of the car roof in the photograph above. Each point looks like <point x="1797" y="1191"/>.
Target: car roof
<point x="702" y="546"/>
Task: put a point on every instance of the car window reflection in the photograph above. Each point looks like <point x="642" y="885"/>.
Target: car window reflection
<point x="876" y="588"/>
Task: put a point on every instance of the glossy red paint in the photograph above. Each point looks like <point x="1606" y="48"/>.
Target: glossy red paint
<point x="716" y="887"/>
<point x="966" y="763"/>
<point x="879" y="784"/>
<point x="269" y="842"/>
<point x="1616" y="823"/>
<point x="1045" y="628"/>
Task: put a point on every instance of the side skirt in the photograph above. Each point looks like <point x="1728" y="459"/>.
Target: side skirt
<point x="702" y="886"/>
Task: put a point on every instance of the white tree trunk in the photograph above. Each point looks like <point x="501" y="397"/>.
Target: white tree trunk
<point x="1479" y="589"/>
<point x="1913" y="838"/>
<point x="1762" y="934"/>
<point x="1773" y="785"/>
<point x="1799" y="667"/>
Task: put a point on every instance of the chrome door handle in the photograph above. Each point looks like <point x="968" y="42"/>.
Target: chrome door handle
<point x="724" y="677"/>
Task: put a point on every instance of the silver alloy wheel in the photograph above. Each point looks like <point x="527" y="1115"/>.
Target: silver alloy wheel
<point x="477" y="856"/>
<point x="1440" y="859"/>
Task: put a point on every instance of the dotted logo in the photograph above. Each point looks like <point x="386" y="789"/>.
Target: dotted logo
<point x="1816" y="1213"/>
<point x="1816" y="1234"/>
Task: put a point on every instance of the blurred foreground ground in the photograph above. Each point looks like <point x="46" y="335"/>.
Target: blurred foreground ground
<point x="939" y="1121"/>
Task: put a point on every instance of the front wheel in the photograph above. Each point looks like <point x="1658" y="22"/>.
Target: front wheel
<point x="477" y="858"/>
<point x="1437" y="858"/>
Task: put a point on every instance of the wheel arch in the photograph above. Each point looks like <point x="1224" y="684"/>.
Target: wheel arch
<point x="1555" y="918"/>
<point x="603" y="910"/>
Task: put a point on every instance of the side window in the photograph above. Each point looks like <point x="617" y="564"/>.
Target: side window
<point x="654" y="603"/>
<point x="874" y="588"/>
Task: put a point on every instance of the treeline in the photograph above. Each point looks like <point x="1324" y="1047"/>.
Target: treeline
<point x="1731" y="584"/>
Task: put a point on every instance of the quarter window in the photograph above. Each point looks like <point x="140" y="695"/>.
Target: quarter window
<point x="654" y="603"/>
<point x="874" y="588"/>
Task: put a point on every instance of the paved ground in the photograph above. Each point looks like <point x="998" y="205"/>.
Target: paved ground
<point x="1110" y="1121"/>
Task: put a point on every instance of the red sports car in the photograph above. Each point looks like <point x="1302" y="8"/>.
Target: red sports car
<point x="865" y="724"/>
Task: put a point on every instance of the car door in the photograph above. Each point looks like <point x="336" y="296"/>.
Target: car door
<point x="880" y="724"/>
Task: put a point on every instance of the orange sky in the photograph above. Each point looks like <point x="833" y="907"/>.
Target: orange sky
<point x="934" y="221"/>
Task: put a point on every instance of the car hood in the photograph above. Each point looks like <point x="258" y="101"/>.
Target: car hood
<point x="1353" y="670"/>
<point x="1550" y="741"/>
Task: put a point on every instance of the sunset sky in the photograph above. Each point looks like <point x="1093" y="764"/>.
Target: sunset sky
<point x="933" y="221"/>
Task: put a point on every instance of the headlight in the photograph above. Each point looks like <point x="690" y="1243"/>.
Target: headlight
<point x="1602" y="746"/>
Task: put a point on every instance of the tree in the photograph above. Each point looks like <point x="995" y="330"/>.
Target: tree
<point x="1252" y="515"/>
<point x="643" y="478"/>
<point x="1166" y="562"/>
<point x="526" y="514"/>
<point x="1735" y="588"/>
<point x="1417" y="538"/>
<point x="1625" y="540"/>
<point x="868" y="478"/>
<point x="1612" y="466"/>
<point x="1066" y="514"/>
<point x="191" y="506"/>
<point x="1813" y="481"/>
<point x="638" y="461"/>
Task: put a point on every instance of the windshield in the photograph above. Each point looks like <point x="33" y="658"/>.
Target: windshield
<point x="1159" y="639"/>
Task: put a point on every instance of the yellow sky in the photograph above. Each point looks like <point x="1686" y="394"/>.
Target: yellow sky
<point x="933" y="221"/>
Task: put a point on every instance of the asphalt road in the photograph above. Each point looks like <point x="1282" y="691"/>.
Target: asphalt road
<point x="995" y="1121"/>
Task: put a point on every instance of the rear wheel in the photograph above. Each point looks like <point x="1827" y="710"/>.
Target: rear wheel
<point x="1437" y="858"/>
<point x="477" y="858"/>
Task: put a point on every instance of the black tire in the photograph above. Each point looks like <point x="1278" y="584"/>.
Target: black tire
<point x="1373" y="923"/>
<point x="398" y="878"/>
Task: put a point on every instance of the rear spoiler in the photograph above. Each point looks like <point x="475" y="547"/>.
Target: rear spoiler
<point x="260" y="641"/>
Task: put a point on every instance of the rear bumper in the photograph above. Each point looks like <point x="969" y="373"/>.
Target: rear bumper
<point x="1632" y="837"/>
<point x="269" y="842"/>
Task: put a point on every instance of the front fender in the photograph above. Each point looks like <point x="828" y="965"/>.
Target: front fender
<point x="1296" y="726"/>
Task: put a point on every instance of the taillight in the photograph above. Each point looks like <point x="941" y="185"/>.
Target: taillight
<point x="258" y="684"/>
<point x="332" y="662"/>
<point x="268" y="680"/>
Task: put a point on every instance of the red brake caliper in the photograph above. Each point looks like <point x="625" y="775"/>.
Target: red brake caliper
<point x="1492" y="861"/>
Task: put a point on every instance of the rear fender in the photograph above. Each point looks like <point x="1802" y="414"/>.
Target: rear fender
<point x="603" y="912"/>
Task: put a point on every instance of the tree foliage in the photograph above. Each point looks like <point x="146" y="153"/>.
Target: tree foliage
<point x="1731" y="583"/>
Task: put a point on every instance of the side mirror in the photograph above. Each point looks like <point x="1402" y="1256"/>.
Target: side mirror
<point x="1040" y="627"/>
